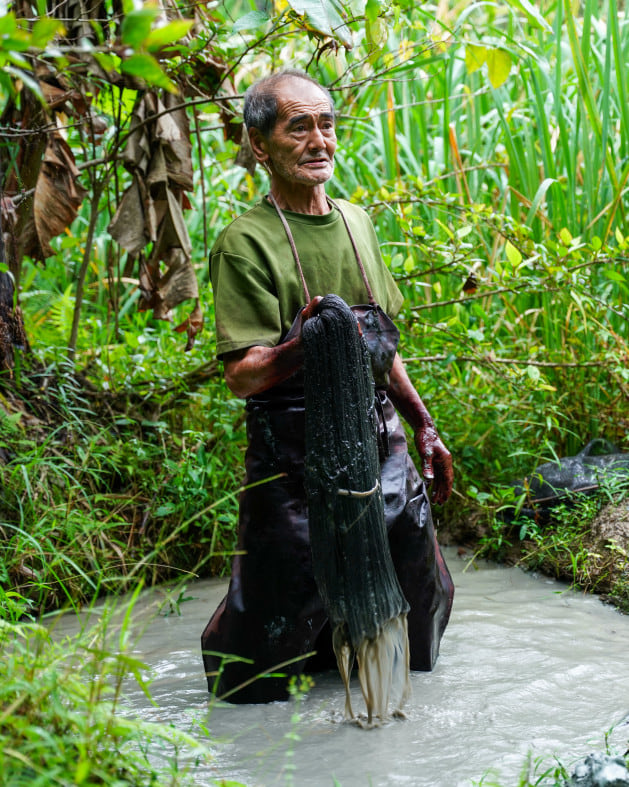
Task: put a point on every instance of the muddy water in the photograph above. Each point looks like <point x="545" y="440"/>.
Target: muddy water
<point x="526" y="666"/>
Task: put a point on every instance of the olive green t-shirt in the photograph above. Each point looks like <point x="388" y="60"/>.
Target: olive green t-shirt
<point x="257" y="287"/>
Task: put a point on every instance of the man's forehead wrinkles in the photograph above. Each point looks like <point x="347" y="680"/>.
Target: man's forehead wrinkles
<point x="299" y="118"/>
<point x="292" y="107"/>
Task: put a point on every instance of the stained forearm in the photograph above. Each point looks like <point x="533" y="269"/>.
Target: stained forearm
<point x="405" y="398"/>
<point x="256" y="369"/>
<point x="436" y="459"/>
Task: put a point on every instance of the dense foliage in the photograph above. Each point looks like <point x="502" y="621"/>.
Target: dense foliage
<point x="489" y="143"/>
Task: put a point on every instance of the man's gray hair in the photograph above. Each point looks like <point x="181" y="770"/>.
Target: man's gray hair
<point x="260" y="109"/>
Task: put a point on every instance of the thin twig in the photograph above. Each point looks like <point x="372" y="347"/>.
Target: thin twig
<point x="197" y="134"/>
<point x="489" y="359"/>
<point x="526" y="286"/>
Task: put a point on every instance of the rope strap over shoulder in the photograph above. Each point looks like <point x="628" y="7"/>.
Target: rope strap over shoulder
<point x="293" y="248"/>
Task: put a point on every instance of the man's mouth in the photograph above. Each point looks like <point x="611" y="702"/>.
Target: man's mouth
<point x="316" y="161"/>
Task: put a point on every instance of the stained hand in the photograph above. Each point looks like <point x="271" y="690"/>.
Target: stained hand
<point x="436" y="463"/>
<point x="311" y="308"/>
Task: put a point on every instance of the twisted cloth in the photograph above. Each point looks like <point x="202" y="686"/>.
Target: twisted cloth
<point x="351" y="557"/>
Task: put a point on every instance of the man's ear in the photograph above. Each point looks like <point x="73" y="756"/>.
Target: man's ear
<point x="258" y="145"/>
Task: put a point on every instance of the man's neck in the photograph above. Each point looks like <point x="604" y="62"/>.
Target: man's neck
<point x="309" y="199"/>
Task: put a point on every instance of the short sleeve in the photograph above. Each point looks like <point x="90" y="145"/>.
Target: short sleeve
<point x="246" y="308"/>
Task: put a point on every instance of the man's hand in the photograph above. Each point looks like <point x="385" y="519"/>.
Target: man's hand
<point x="311" y="309"/>
<point x="436" y="463"/>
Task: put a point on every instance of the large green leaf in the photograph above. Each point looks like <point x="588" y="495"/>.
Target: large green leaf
<point x="323" y="16"/>
<point x="143" y="65"/>
<point x="136" y="25"/>
<point x="13" y="38"/>
<point x="168" y="34"/>
<point x="373" y="9"/>
<point x="8" y="24"/>
<point x="44" y="30"/>
<point x="251" y="21"/>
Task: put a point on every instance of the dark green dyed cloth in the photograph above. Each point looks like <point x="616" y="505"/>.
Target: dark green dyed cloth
<point x="273" y="613"/>
<point x="351" y="556"/>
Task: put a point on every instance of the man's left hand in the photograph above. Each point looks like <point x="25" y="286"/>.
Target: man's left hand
<point x="436" y="463"/>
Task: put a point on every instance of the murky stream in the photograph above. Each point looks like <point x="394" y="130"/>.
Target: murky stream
<point x="526" y="666"/>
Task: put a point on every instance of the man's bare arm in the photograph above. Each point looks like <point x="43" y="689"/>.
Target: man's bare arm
<point x="256" y="369"/>
<point x="436" y="459"/>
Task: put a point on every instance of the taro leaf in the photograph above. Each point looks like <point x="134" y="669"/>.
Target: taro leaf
<point x="58" y="195"/>
<point x="324" y="17"/>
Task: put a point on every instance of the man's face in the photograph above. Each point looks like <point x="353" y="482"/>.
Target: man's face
<point x="301" y="146"/>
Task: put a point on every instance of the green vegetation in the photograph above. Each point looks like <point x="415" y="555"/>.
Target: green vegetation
<point x="574" y="547"/>
<point x="62" y="722"/>
<point x="488" y="142"/>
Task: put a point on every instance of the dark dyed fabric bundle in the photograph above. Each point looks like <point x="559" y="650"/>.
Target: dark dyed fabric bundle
<point x="350" y="550"/>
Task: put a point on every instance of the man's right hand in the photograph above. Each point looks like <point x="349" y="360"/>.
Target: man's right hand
<point x="311" y="309"/>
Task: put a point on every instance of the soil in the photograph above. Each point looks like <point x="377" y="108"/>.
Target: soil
<point x="609" y="541"/>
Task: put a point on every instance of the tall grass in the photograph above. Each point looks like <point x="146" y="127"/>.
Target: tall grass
<point x="62" y="719"/>
<point x="524" y="185"/>
<point x="86" y="498"/>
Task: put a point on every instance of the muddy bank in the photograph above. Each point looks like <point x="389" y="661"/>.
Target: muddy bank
<point x="591" y="554"/>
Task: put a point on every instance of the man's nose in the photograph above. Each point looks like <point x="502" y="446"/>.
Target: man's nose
<point x="316" y="139"/>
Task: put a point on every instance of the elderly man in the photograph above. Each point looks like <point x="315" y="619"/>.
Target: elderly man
<point x="265" y="268"/>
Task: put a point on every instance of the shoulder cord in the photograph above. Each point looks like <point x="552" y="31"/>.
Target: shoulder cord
<point x="293" y="247"/>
